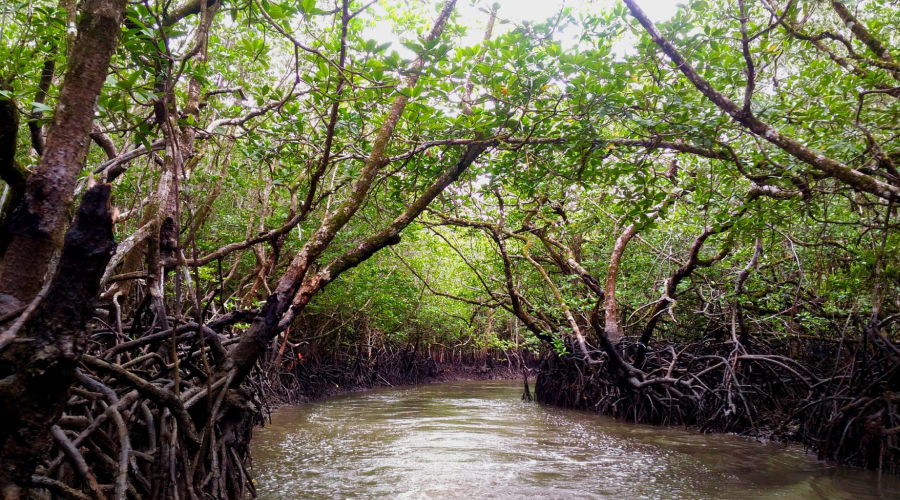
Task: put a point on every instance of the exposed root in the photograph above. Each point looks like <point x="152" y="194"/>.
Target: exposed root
<point x="838" y="402"/>
<point x="139" y="426"/>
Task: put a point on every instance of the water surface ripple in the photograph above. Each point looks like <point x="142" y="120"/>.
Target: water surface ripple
<point x="471" y="440"/>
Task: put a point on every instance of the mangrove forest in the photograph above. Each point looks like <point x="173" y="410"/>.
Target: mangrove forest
<point x="684" y="217"/>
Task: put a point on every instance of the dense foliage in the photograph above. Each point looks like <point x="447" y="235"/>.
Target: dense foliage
<point x="634" y="201"/>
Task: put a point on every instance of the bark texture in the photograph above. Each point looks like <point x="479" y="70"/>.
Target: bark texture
<point x="38" y="368"/>
<point x="38" y="224"/>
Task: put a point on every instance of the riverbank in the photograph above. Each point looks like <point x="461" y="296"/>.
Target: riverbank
<point x="763" y="392"/>
<point x="300" y="383"/>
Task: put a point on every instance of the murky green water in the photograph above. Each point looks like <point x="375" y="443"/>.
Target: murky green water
<point x="474" y="440"/>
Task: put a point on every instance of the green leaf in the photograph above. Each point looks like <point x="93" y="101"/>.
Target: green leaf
<point x="38" y="107"/>
<point x="413" y="46"/>
<point x="307" y="6"/>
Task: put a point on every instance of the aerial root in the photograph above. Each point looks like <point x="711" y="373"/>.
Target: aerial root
<point x="822" y="399"/>
<point x="127" y="432"/>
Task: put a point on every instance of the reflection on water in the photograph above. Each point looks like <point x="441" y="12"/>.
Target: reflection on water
<point x="478" y="440"/>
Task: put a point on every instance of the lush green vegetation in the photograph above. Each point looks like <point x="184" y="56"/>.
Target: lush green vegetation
<point x="693" y="213"/>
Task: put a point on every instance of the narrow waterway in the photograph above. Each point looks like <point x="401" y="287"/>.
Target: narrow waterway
<point x="473" y="440"/>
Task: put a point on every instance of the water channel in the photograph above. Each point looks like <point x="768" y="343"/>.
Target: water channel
<point x="474" y="440"/>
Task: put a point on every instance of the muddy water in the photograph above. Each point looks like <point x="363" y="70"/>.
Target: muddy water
<point x="474" y="440"/>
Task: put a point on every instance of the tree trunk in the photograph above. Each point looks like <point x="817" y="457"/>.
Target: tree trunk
<point x="38" y="372"/>
<point x="38" y="223"/>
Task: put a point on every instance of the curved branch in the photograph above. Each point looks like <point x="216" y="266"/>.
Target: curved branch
<point x="834" y="168"/>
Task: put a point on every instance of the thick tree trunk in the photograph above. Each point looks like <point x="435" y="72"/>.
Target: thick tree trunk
<point x="38" y="224"/>
<point x="40" y="350"/>
<point x="37" y="363"/>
